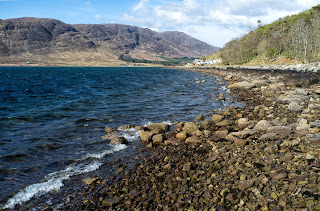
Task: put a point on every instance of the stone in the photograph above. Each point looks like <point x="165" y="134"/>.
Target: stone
<point x="245" y="184"/>
<point x="192" y="140"/>
<point x="300" y="91"/>
<point x="119" y="140"/>
<point x="90" y="180"/>
<point x="110" y="202"/>
<point x="145" y="136"/>
<point x="220" y="134"/>
<point x="132" y="194"/>
<point x="182" y="135"/>
<point x="294" y="106"/>
<point x="126" y="127"/>
<point x="243" y="121"/>
<point x="269" y="137"/>
<point x="283" y="131"/>
<point x="157" y="128"/>
<point x="237" y="141"/>
<point x="109" y="130"/>
<point x="190" y="127"/>
<point x="200" y="118"/>
<point x="242" y="85"/>
<point x="221" y="97"/>
<point x="278" y="174"/>
<point x="172" y="141"/>
<point x="157" y="139"/>
<point x="262" y="125"/>
<point x="217" y="118"/>
<point x="223" y="123"/>
<point x="293" y="98"/>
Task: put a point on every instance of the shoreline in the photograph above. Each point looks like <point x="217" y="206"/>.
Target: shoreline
<point x="263" y="156"/>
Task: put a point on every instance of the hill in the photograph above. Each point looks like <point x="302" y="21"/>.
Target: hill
<point x="293" y="38"/>
<point x="51" y="41"/>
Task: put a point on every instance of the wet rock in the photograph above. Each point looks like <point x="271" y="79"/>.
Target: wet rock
<point x="90" y="180"/>
<point x="294" y="106"/>
<point x="200" y="118"/>
<point x="118" y="140"/>
<point x="145" y="136"/>
<point x="217" y="118"/>
<point x="192" y="140"/>
<point x="109" y="130"/>
<point x="157" y="128"/>
<point x="278" y="174"/>
<point x="245" y="184"/>
<point x="126" y="127"/>
<point x="110" y="202"/>
<point x="221" y="97"/>
<point x="133" y="194"/>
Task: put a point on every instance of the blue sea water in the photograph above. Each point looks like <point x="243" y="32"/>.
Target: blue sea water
<point x="52" y="118"/>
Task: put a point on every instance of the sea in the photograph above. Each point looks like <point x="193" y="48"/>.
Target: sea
<point x="52" y="120"/>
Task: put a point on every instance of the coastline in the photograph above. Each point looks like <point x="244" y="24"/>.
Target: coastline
<point x="264" y="156"/>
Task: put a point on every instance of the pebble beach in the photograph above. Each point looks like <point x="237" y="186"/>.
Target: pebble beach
<point x="264" y="156"/>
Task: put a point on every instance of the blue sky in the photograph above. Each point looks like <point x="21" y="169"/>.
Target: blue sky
<point x="213" y="21"/>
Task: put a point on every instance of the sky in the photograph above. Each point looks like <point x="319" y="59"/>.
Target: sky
<point x="213" y="21"/>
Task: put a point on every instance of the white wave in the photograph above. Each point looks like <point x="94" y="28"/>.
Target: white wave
<point x="115" y="148"/>
<point x="131" y="134"/>
<point x="54" y="182"/>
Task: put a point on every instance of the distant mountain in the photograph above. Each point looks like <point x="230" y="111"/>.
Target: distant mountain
<point x="51" y="41"/>
<point x="183" y="40"/>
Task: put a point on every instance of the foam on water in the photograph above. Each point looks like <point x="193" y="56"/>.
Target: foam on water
<point x="115" y="148"/>
<point x="54" y="182"/>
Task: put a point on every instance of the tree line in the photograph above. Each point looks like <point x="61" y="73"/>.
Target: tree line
<point x="294" y="37"/>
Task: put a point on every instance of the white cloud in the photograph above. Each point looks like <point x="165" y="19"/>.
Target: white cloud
<point x="214" y="21"/>
<point x="98" y="17"/>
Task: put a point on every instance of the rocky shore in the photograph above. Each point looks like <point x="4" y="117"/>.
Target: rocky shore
<point x="265" y="156"/>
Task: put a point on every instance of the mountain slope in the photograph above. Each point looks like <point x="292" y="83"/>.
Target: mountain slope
<point x="49" y="40"/>
<point x="183" y="40"/>
<point x="294" y="38"/>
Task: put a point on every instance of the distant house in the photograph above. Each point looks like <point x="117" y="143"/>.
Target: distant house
<point x="199" y="62"/>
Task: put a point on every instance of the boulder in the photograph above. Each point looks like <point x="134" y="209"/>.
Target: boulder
<point x="220" y="134"/>
<point x="192" y="140"/>
<point x="109" y="130"/>
<point x="118" y="140"/>
<point x="217" y="118"/>
<point x="262" y="125"/>
<point x="223" y="123"/>
<point x="245" y="184"/>
<point x="157" y="128"/>
<point x="292" y="98"/>
<point x="157" y="139"/>
<point x="300" y="91"/>
<point x="243" y="121"/>
<point x="190" y="127"/>
<point x="126" y="127"/>
<point x="242" y="85"/>
<point x="182" y="135"/>
<point x="146" y="136"/>
<point x="294" y="106"/>
<point x="206" y="124"/>
<point x="283" y="131"/>
<point x="278" y="174"/>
